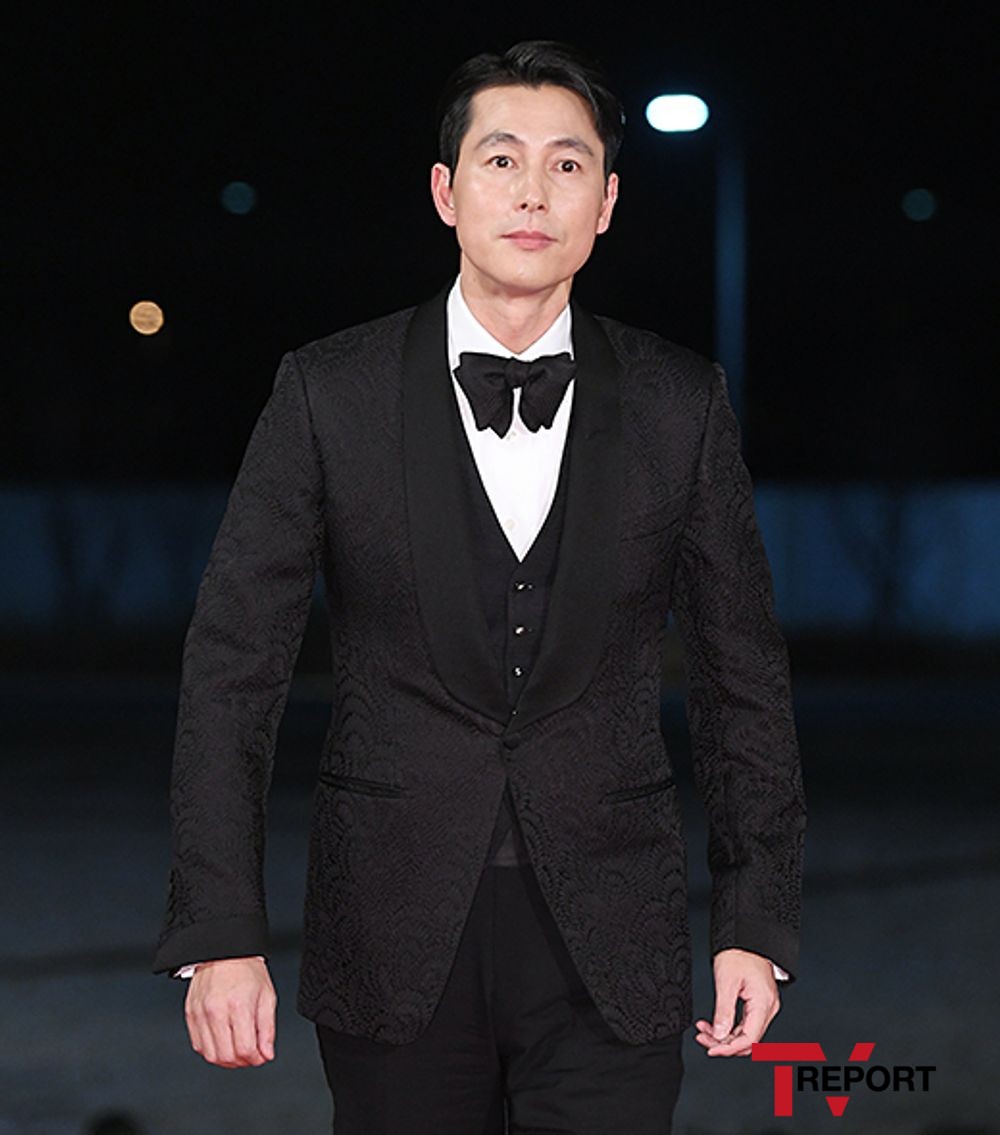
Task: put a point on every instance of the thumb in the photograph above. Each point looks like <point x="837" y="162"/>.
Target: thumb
<point x="725" y="1008"/>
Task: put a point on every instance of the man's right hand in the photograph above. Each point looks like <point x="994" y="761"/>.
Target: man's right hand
<point x="230" y="1012"/>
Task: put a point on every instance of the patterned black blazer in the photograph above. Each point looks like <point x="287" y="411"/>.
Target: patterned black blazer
<point x="353" y="470"/>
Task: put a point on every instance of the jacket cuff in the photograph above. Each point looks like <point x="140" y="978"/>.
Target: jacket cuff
<point x="772" y="940"/>
<point x="242" y="936"/>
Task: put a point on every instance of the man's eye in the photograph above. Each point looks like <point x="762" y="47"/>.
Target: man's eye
<point x="568" y="165"/>
<point x="501" y="161"/>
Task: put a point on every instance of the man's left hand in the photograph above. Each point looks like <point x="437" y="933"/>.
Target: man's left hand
<point x="749" y="977"/>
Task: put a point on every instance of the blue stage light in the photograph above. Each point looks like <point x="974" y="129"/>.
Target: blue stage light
<point x="239" y="198"/>
<point x="919" y="204"/>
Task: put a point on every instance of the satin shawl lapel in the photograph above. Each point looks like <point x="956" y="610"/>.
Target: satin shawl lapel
<point x="446" y="585"/>
<point x="581" y="595"/>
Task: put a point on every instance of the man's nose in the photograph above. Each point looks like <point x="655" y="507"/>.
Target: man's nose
<point x="531" y="194"/>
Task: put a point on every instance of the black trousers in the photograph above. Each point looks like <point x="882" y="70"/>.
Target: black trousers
<point x="515" y="1045"/>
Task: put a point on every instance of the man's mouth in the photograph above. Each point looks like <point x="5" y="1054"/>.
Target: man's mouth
<point x="529" y="238"/>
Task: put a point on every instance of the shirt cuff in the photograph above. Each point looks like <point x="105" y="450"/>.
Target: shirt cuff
<point x="189" y="970"/>
<point x="779" y="973"/>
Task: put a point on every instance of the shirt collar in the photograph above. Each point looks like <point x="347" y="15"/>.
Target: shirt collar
<point x="466" y="333"/>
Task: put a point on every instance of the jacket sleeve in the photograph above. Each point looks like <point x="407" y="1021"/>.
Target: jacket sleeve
<point x="239" y="654"/>
<point x="744" y="748"/>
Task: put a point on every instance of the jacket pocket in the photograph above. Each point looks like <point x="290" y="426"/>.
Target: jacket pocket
<point x="637" y="791"/>
<point x="360" y="784"/>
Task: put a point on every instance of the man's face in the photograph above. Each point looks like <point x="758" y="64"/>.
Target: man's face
<point x="527" y="197"/>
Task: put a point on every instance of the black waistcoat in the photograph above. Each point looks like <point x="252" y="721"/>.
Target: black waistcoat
<point x="515" y="597"/>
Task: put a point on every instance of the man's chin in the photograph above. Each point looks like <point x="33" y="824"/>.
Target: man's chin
<point x="521" y="284"/>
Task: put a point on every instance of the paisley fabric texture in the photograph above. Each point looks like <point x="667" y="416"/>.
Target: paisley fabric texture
<point x="414" y="763"/>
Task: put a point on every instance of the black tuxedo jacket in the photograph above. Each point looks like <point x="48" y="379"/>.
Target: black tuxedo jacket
<point x="353" y="469"/>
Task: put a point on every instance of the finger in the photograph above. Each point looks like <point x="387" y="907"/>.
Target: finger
<point x="198" y="1031"/>
<point x="197" y="1041"/>
<point x="767" y="1018"/>
<point x="705" y="1034"/>
<point x="775" y="1010"/>
<point x="724" y="1017"/>
<point x="738" y="1045"/>
<point x="709" y="1041"/>
<point x="758" y="1011"/>
<point x="740" y="1042"/>
<point x="217" y="1018"/>
<point x="243" y="1029"/>
<point x="266" y="1024"/>
<point x="754" y="1020"/>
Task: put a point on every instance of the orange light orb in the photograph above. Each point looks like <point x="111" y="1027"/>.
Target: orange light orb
<point x="146" y="317"/>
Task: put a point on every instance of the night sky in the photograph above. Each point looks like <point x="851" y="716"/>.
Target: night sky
<point x="872" y="338"/>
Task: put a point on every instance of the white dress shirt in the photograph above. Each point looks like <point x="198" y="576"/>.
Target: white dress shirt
<point x="520" y="470"/>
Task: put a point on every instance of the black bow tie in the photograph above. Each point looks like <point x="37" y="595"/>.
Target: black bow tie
<point x="489" y="381"/>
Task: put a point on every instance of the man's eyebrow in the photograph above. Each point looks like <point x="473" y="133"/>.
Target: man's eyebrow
<point x="571" y="142"/>
<point x="495" y="136"/>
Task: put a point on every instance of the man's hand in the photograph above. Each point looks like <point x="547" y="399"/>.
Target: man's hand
<point x="739" y="974"/>
<point x="230" y="1012"/>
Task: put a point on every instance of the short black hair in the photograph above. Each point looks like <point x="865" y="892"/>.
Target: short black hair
<point x="533" y="63"/>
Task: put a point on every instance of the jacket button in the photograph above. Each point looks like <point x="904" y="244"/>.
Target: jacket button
<point x="517" y="671"/>
<point x="512" y="741"/>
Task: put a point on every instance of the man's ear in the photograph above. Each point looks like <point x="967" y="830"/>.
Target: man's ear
<point x="442" y="193"/>
<point x="607" y="208"/>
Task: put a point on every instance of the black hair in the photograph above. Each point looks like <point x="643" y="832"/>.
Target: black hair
<point x="530" y="64"/>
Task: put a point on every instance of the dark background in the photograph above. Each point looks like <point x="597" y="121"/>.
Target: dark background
<point x="871" y="397"/>
<point x="129" y="121"/>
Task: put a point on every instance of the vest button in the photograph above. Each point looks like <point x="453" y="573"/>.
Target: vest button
<point x="520" y="630"/>
<point x="517" y="671"/>
<point x="512" y="741"/>
<point x="523" y="585"/>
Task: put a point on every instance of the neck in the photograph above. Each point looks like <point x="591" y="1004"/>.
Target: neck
<point x="514" y="319"/>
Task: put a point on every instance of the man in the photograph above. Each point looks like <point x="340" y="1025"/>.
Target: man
<point x="506" y="496"/>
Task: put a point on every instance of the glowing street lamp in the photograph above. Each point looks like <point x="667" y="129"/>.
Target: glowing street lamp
<point x="677" y="114"/>
<point x="684" y="114"/>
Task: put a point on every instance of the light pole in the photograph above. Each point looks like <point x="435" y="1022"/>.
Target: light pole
<point x="682" y="114"/>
